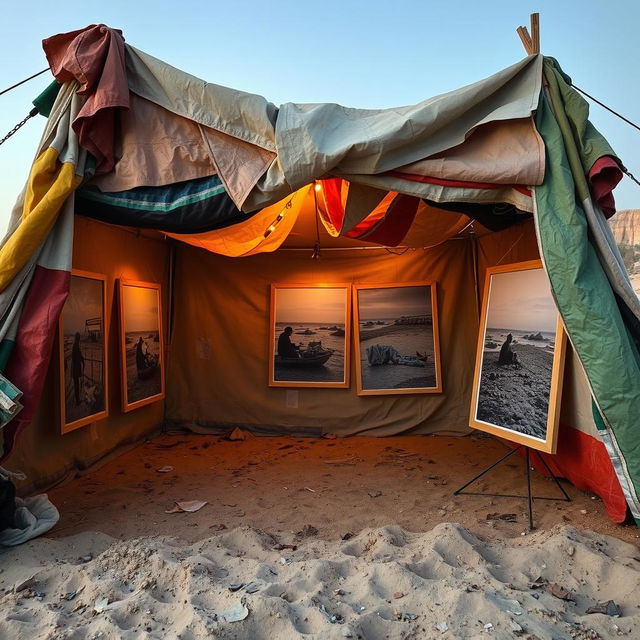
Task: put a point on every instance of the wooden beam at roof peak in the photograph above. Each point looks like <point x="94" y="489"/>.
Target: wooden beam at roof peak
<point x="531" y="43"/>
<point x="525" y="38"/>
<point x="535" y="32"/>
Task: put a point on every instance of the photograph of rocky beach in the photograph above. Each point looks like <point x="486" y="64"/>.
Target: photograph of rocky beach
<point x="515" y="383"/>
<point x="310" y="336"/>
<point x="396" y="340"/>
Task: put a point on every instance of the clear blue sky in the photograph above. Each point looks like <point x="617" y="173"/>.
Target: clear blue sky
<point x="357" y="53"/>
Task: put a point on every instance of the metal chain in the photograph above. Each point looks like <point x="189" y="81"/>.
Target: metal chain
<point x="630" y="175"/>
<point x="32" y="113"/>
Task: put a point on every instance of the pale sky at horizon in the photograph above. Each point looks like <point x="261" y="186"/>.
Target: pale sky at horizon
<point x="359" y="54"/>
<point x="85" y="301"/>
<point x="310" y="304"/>
<point x="393" y="302"/>
<point x="521" y="301"/>
<point x="140" y="309"/>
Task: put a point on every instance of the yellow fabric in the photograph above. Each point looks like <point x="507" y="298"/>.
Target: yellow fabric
<point x="248" y="238"/>
<point x="50" y="184"/>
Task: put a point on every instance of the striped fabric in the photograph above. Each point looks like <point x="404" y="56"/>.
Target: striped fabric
<point x="193" y="206"/>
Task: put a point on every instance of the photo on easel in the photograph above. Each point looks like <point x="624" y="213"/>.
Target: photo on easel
<point x="520" y="358"/>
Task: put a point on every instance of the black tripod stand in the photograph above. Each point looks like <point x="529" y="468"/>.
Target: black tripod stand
<point x="529" y="496"/>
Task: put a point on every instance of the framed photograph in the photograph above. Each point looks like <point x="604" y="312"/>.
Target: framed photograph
<point x="520" y="358"/>
<point x="82" y="338"/>
<point x="396" y="334"/>
<point x="142" y="345"/>
<point x="309" y="335"/>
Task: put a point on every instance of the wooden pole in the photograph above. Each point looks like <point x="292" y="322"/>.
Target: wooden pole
<point x="535" y="32"/>
<point x="531" y="43"/>
<point x="525" y="38"/>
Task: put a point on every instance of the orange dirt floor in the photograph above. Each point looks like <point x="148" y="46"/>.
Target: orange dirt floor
<point x="281" y="484"/>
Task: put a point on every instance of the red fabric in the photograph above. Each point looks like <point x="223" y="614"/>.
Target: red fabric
<point x="29" y="361"/>
<point x="364" y="226"/>
<point x="332" y="190"/>
<point x="456" y="183"/>
<point x="93" y="56"/>
<point x="584" y="461"/>
<point x="394" y="226"/>
<point x="604" y="175"/>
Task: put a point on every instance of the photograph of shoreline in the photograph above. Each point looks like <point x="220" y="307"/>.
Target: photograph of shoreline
<point x="514" y="385"/>
<point x="143" y="380"/>
<point x="309" y="336"/>
<point x="397" y="338"/>
<point x="83" y="352"/>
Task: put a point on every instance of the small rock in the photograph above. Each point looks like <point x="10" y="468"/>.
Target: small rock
<point x="307" y="531"/>
<point x="571" y="551"/>
<point x="442" y="626"/>
<point x="375" y="494"/>
<point x="398" y="594"/>
<point x="583" y="512"/>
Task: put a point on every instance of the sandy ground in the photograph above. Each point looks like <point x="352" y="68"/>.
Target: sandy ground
<point x="376" y="555"/>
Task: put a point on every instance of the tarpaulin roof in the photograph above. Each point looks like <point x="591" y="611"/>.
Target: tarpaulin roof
<point x="131" y="140"/>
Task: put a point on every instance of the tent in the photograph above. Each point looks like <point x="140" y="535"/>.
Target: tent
<point x="148" y="173"/>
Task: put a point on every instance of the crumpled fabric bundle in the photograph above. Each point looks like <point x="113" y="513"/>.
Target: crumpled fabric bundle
<point x="378" y="354"/>
<point x="33" y="517"/>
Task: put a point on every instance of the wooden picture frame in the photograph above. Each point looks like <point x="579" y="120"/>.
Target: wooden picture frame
<point x="83" y="333"/>
<point x="315" y="313"/>
<point x="397" y="338"/>
<point x="518" y="398"/>
<point x="141" y="343"/>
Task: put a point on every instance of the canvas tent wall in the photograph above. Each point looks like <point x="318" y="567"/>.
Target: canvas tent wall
<point x="228" y="172"/>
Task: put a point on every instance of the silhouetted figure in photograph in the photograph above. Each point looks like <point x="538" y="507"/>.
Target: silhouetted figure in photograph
<point x="141" y="359"/>
<point x="507" y="355"/>
<point x="286" y="349"/>
<point x="77" y="366"/>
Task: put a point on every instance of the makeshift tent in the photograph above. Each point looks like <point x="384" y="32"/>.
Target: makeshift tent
<point x="183" y="166"/>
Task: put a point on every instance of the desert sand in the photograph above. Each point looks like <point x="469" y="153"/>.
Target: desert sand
<point x="357" y="538"/>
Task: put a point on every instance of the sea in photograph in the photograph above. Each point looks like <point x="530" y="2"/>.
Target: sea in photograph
<point x="147" y="382"/>
<point x="516" y="396"/>
<point x="407" y="340"/>
<point x="90" y="399"/>
<point x="304" y="333"/>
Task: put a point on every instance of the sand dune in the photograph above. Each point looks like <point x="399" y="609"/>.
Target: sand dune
<point x="382" y="583"/>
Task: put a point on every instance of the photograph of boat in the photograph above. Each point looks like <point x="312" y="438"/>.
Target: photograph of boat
<point x="83" y="361"/>
<point x="141" y="348"/>
<point x="310" y="336"/>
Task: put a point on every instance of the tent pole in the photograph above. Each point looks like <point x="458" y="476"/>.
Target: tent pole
<point x="476" y="279"/>
<point x="531" y="43"/>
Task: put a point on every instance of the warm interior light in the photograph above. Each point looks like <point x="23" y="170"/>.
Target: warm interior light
<point x="318" y="186"/>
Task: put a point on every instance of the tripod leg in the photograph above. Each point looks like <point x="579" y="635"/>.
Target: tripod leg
<point x="528" y="463"/>
<point x="553" y="475"/>
<point x="495" y="464"/>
